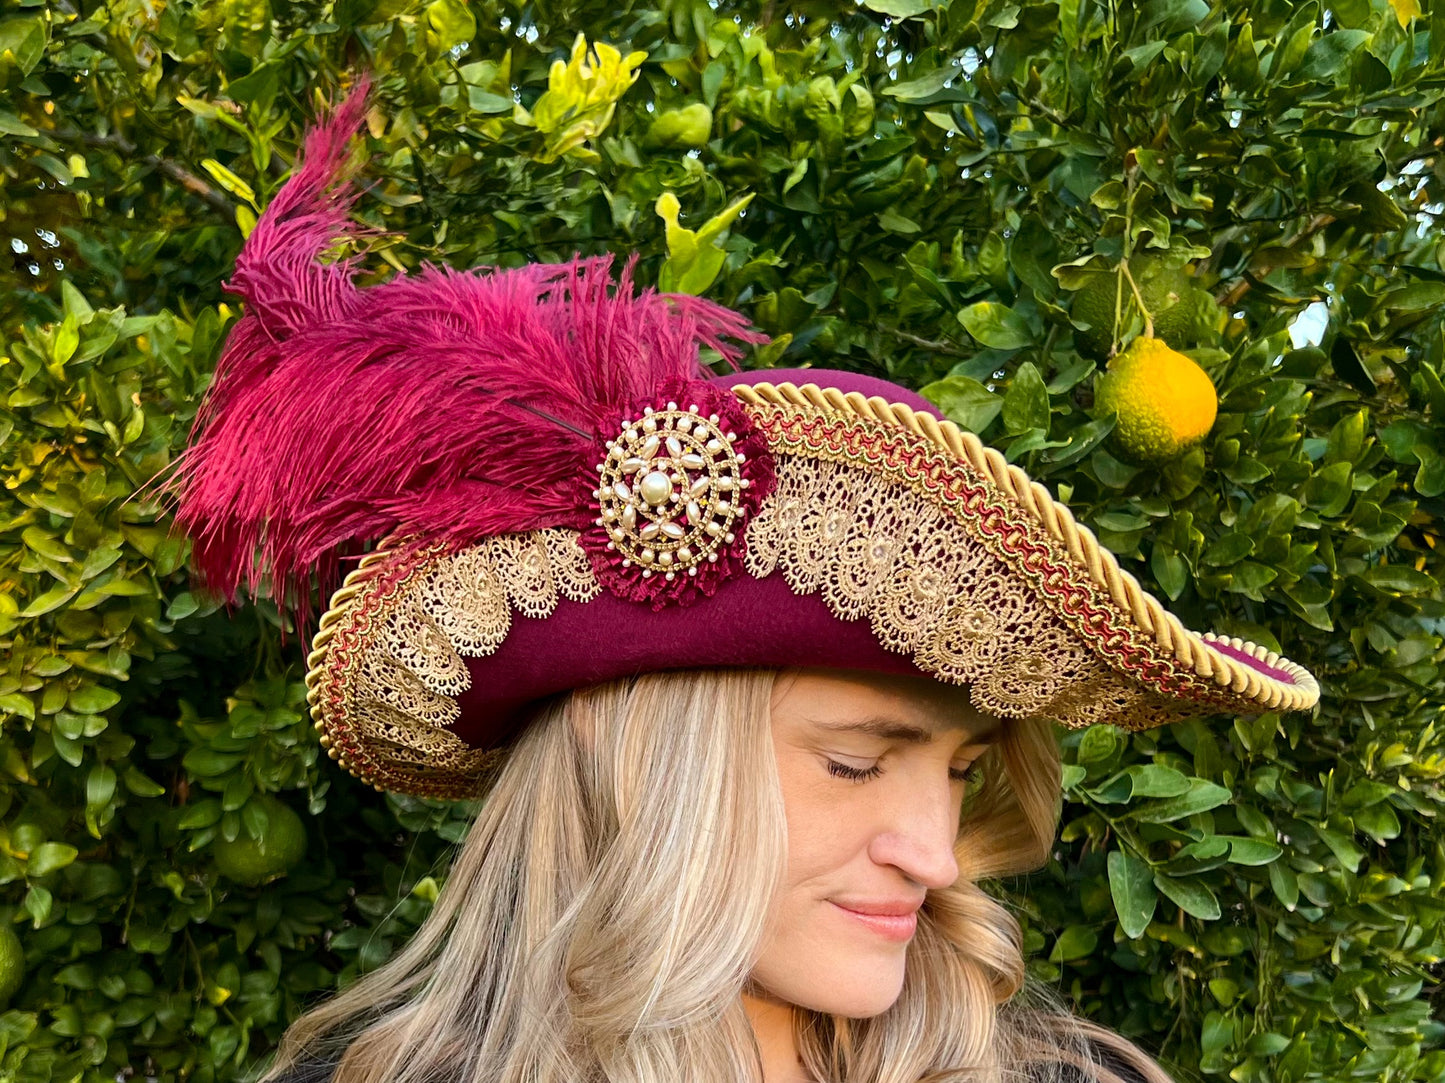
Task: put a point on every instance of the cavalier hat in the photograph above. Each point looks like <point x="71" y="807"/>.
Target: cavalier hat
<point x="551" y="488"/>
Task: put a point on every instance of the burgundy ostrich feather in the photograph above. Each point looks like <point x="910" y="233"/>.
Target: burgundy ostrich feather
<point x="444" y="406"/>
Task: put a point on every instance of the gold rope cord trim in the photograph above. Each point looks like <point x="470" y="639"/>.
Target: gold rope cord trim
<point x="1190" y="649"/>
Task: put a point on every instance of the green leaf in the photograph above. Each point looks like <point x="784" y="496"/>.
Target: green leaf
<point x="1156" y="780"/>
<point x="1190" y="896"/>
<point x="996" y="326"/>
<point x="1244" y="851"/>
<point x="899" y="9"/>
<point x="99" y="789"/>
<point x="1201" y="797"/>
<point x="965" y="402"/>
<point x="209" y="763"/>
<point x="1228" y="548"/>
<point x="452" y="21"/>
<point x="92" y="699"/>
<point x="142" y="785"/>
<point x="17" y="703"/>
<point x="229" y="181"/>
<point x="923" y="86"/>
<point x="693" y="257"/>
<point x="1399" y="580"/>
<point x="1169" y="569"/>
<point x="1076" y="942"/>
<point x="1430" y="479"/>
<point x="1131" y="883"/>
<point x="10" y="124"/>
<point x="49" y="857"/>
<point x="45" y="544"/>
<point x="49" y="601"/>
<point x="1026" y="403"/>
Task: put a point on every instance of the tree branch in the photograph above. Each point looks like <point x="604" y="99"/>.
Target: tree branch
<point x="177" y="172"/>
<point x="1230" y="297"/>
<point x="927" y="343"/>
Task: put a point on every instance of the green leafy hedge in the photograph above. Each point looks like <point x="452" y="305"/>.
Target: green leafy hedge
<point x="926" y="192"/>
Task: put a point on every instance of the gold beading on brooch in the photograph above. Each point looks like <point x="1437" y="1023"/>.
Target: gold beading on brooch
<point x="668" y="491"/>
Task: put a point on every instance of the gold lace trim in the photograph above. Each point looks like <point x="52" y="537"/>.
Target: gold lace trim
<point x="405" y="678"/>
<point x="876" y="551"/>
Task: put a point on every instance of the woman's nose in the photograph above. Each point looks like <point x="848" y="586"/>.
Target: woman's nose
<point x="918" y="836"/>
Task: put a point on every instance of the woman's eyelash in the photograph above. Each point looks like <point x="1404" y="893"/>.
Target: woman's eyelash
<point x="856" y="774"/>
<point x="970" y="774"/>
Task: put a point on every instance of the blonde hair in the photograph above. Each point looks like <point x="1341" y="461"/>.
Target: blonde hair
<point x="602" y="918"/>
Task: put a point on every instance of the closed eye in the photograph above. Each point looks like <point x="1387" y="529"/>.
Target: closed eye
<point x="854" y="774"/>
<point x="970" y="774"/>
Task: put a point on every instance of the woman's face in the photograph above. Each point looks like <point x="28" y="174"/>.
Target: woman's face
<point x="873" y="771"/>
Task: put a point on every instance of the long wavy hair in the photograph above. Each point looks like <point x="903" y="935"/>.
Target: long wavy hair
<point x="603" y="915"/>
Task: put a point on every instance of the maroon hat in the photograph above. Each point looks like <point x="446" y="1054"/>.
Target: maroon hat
<point x="556" y="491"/>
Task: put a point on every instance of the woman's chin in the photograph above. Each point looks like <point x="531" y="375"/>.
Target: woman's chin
<point x="859" y="995"/>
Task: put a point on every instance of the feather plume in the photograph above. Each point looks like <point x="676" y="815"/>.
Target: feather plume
<point x="443" y="406"/>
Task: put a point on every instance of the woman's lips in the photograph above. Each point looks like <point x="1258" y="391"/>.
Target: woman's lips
<point x="889" y="922"/>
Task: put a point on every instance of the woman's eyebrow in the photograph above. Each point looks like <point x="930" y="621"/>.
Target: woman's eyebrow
<point x="890" y="729"/>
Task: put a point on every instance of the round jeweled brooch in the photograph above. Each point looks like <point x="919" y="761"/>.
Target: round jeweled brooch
<point x="670" y="489"/>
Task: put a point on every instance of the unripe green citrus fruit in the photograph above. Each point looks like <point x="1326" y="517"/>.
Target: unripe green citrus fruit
<point x="255" y="861"/>
<point x="1184" y="315"/>
<point x="12" y="963"/>
<point x="1164" y="401"/>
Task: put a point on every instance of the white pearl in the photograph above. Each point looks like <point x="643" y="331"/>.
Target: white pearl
<point x="650" y="531"/>
<point x="656" y="488"/>
<point x="649" y="447"/>
<point x="621" y="491"/>
<point x="673" y="530"/>
<point x="674" y="446"/>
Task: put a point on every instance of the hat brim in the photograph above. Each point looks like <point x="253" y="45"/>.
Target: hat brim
<point x="893" y="542"/>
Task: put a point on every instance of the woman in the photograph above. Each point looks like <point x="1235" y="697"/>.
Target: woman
<point x="753" y="675"/>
